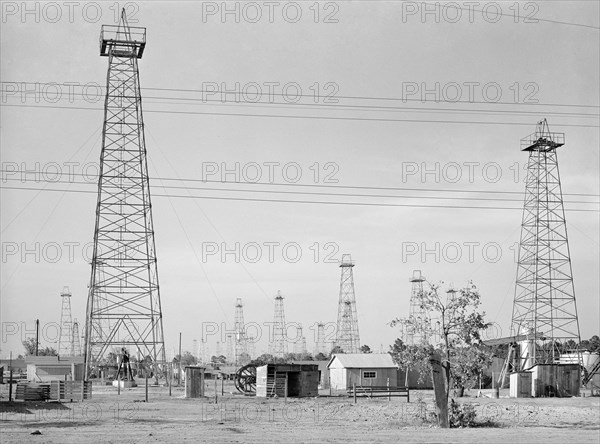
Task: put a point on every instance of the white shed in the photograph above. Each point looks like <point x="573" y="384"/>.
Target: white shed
<point x="362" y="369"/>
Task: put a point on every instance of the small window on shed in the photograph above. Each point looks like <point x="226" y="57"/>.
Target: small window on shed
<point x="369" y="375"/>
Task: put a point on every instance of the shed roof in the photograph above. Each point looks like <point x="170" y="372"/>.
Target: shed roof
<point x="364" y="360"/>
<point x="321" y="364"/>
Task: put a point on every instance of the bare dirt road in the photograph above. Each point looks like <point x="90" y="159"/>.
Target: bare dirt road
<point x="109" y="417"/>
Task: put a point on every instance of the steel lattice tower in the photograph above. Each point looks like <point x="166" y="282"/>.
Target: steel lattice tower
<point x="123" y="308"/>
<point x="279" y="349"/>
<point x="229" y="348"/>
<point x="418" y="328"/>
<point x="300" y="343"/>
<point x="320" y="346"/>
<point x="75" y="342"/>
<point x="240" y="331"/>
<point x="544" y="309"/>
<point x="65" y="339"/>
<point x="347" y="337"/>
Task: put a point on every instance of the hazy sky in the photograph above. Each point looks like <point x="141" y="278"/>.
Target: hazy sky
<point x="485" y="81"/>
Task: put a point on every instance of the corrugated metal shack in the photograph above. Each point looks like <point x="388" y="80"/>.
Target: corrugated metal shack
<point x="301" y="380"/>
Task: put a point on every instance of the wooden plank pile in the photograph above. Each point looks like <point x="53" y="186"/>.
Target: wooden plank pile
<point x="30" y="391"/>
<point x="70" y="390"/>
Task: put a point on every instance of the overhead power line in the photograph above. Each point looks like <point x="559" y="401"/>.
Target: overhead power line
<point x="374" y="204"/>
<point x="25" y="173"/>
<point x="245" y="190"/>
<point x="363" y="119"/>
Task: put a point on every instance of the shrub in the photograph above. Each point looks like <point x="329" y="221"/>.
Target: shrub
<point x="461" y="415"/>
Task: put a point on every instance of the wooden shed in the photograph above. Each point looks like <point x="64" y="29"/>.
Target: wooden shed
<point x="362" y="369"/>
<point x="520" y="385"/>
<point x="323" y="371"/>
<point x="558" y="380"/>
<point x="301" y="380"/>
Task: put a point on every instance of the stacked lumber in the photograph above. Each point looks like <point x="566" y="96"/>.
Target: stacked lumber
<point x="69" y="390"/>
<point x="30" y="391"/>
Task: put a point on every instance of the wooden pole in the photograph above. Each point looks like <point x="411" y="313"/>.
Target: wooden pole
<point x="146" y="374"/>
<point x="222" y="386"/>
<point x="179" y="375"/>
<point x="37" y="335"/>
<point x="216" y="400"/>
<point x="286" y="387"/>
<point x="170" y="377"/>
<point x="10" y="385"/>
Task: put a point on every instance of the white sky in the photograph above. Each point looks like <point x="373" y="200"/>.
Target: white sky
<point x="374" y="51"/>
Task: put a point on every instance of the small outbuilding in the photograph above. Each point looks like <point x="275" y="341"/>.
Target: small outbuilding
<point x="555" y="380"/>
<point x="323" y="371"/>
<point x="362" y="369"/>
<point x="300" y="380"/>
<point x="53" y="368"/>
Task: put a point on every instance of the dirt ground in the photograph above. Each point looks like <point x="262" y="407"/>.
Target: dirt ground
<point x="233" y="418"/>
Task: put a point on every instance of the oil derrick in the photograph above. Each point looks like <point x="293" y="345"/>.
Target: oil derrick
<point x="347" y="337"/>
<point x="544" y="320"/>
<point x="418" y="327"/>
<point x="218" y="349"/>
<point x="300" y="343"/>
<point x="320" y="346"/>
<point x="229" y="348"/>
<point x="66" y="325"/>
<point x="75" y="343"/>
<point x="195" y="350"/>
<point x="250" y="349"/>
<point x="123" y="307"/>
<point x="279" y="348"/>
<point x="203" y="356"/>
<point x="240" y="332"/>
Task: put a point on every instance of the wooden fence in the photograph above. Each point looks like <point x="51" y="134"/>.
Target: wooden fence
<point x="371" y="391"/>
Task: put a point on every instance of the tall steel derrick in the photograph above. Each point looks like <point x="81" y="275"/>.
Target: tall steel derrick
<point x="123" y="307"/>
<point x="418" y="327"/>
<point x="241" y="348"/>
<point x="75" y="341"/>
<point x="347" y="337"/>
<point x="544" y="316"/>
<point x="279" y="346"/>
<point x="65" y="340"/>
<point x="320" y="345"/>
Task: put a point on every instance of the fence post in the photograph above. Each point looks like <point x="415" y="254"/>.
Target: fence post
<point x="354" y="390"/>
<point x="146" y="374"/>
<point x="10" y="382"/>
<point x="388" y="387"/>
<point x="216" y="401"/>
<point x="286" y="387"/>
<point x="222" y="389"/>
